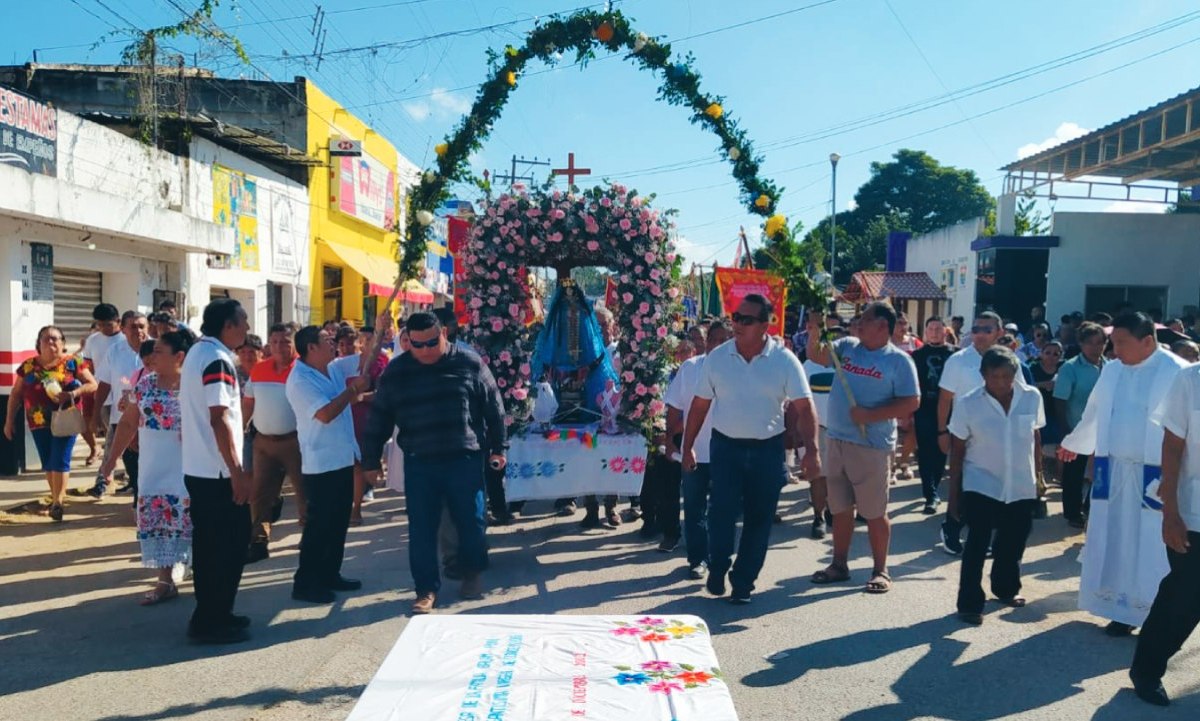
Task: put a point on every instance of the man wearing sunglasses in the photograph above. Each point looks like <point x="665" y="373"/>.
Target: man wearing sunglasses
<point x="449" y="417"/>
<point x="959" y="377"/>
<point x="746" y="386"/>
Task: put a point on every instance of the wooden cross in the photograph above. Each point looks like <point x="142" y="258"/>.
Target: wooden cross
<point x="571" y="171"/>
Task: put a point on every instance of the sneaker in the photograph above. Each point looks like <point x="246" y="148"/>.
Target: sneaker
<point x="568" y="509"/>
<point x="472" y="587"/>
<point x="1116" y="629"/>
<point x="739" y="598"/>
<point x="423" y="604"/>
<point x="1152" y="692"/>
<point x="612" y="520"/>
<point x="668" y="544"/>
<point x="698" y="571"/>
<point x="951" y="543"/>
<point x="56" y="512"/>
<point x="257" y="552"/>
<point x="98" y="490"/>
<point x="975" y="619"/>
<point x="715" y="584"/>
<point x="368" y="495"/>
<point x="818" y="529"/>
<point x="930" y="509"/>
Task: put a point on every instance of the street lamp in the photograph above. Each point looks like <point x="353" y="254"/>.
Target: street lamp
<point x="833" y="161"/>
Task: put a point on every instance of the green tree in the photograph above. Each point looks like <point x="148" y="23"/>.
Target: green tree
<point x="591" y="280"/>
<point x="1029" y="220"/>
<point x="921" y="193"/>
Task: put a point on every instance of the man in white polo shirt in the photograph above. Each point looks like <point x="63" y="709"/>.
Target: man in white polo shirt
<point x="276" y="451"/>
<point x="960" y="376"/>
<point x="116" y="374"/>
<point x="321" y="398"/>
<point x="746" y="385"/>
<point x="218" y="486"/>
<point x="696" y="483"/>
<point x="1176" y="609"/>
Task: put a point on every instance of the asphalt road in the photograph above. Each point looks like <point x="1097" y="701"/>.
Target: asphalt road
<point x="74" y="644"/>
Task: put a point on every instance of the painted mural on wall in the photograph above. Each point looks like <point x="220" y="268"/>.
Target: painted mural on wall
<point x="235" y="205"/>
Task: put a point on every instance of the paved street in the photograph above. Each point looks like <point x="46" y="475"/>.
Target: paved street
<point x="76" y="645"/>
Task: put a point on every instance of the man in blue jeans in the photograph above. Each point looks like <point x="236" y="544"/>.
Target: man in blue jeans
<point x="449" y="417"/>
<point x="748" y="386"/>
<point x="695" y="483"/>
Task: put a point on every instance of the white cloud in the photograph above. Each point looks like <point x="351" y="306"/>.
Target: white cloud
<point x="1066" y="131"/>
<point x="1125" y="206"/>
<point x="441" y="104"/>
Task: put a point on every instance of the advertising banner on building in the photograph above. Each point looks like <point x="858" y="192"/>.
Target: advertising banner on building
<point x="365" y="189"/>
<point x="735" y="284"/>
<point x="235" y="205"/>
<point x="28" y="133"/>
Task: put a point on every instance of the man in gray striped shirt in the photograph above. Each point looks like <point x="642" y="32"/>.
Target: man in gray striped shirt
<point x="446" y="407"/>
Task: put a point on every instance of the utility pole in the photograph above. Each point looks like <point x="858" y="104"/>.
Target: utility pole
<point x="833" y="161"/>
<point x="527" y="167"/>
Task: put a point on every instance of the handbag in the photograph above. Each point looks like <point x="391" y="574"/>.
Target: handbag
<point x="66" y="422"/>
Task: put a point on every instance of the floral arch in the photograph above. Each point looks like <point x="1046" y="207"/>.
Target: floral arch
<point x="605" y="226"/>
<point x="586" y="32"/>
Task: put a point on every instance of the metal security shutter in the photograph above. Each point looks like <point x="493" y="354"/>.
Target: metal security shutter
<point x="76" y="293"/>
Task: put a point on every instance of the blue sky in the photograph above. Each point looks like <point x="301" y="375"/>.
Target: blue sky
<point x="794" y="81"/>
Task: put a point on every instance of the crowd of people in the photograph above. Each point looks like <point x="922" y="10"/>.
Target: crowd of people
<point x="208" y="427"/>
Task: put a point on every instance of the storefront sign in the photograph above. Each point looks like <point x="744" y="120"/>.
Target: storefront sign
<point x="235" y="205"/>
<point x="365" y="189"/>
<point x="28" y="133"/>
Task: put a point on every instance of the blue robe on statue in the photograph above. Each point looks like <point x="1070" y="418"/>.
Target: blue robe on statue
<point x="554" y="346"/>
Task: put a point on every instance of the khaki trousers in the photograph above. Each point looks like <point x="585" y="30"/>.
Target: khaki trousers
<point x="274" y="458"/>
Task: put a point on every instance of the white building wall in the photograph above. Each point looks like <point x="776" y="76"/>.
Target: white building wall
<point x="283" y="235"/>
<point x="1123" y="249"/>
<point x="95" y="157"/>
<point x="946" y="256"/>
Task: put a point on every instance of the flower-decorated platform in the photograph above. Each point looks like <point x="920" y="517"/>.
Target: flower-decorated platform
<point x="566" y="463"/>
<point x="535" y="668"/>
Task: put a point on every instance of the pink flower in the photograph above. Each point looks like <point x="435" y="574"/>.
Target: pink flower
<point x="557" y="214"/>
<point x="650" y="257"/>
<point x="501" y="382"/>
<point x="593" y="246"/>
<point x="662" y="331"/>
<point x="520" y="394"/>
<point x="505" y="357"/>
<point x="533" y="240"/>
<point x="656" y="665"/>
<point x="514" y="310"/>
<point x="627" y="297"/>
<point x="509" y="247"/>
<point x="627" y="376"/>
<point x="508" y="420"/>
<point x="497" y="325"/>
<point x="606" y="202"/>
<point x="639" y="335"/>
<point x="643" y="307"/>
<point x="477" y="302"/>
<point x="525" y="369"/>
<point x="616" y="464"/>
<point x="555" y="237"/>
<point x="638" y="465"/>
<point x="502" y="265"/>
<point x="657" y="407"/>
<point x="625" y="224"/>
<point x="641" y="389"/>
<point x="626" y="631"/>
<point x="664" y="687"/>
<point x="655" y="273"/>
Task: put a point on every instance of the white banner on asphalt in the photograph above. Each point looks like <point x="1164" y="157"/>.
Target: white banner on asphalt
<point x="549" y="668"/>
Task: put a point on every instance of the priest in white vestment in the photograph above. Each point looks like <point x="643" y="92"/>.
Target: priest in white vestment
<point x="1124" y="557"/>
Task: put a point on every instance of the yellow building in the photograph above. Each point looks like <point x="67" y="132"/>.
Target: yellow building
<point x="356" y="210"/>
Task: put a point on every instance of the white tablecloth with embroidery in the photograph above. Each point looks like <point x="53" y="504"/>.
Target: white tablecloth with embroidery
<point x="543" y="668"/>
<point x="540" y="468"/>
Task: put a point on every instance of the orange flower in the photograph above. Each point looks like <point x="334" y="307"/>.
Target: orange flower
<point x="697" y="677"/>
<point x="656" y="637"/>
<point x="510" y="77"/>
<point x="604" y="33"/>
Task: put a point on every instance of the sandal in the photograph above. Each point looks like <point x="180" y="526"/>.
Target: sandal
<point x="163" y="591"/>
<point x="833" y="574"/>
<point x="1014" y="602"/>
<point x="880" y="582"/>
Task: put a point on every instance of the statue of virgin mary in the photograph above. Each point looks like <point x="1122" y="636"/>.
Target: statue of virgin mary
<point x="570" y="352"/>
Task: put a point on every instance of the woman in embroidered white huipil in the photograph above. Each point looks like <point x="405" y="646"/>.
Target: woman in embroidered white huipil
<point x="164" y="524"/>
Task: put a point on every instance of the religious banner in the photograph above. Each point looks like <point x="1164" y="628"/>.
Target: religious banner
<point x="735" y="284"/>
<point x="365" y="189"/>
<point x="654" y="667"/>
<point x="235" y="205"/>
<point x="457" y="231"/>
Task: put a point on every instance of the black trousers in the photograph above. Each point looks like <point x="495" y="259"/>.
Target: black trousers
<point x="497" y="501"/>
<point x="130" y="459"/>
<point x="931" y="462"/>
<point x="656" y="487"/>
<point x="1174" y="615"/>
<point x="220" y="534"/>
<point x="1011" y="523"/>
<point x="1073" y="502"/>
<point x="330" y="498"/>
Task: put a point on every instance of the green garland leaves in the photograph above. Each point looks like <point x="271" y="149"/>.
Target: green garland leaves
<point x="586" y="32"/>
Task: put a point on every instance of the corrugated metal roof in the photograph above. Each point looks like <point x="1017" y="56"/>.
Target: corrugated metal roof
<point x="866" y="286"/>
